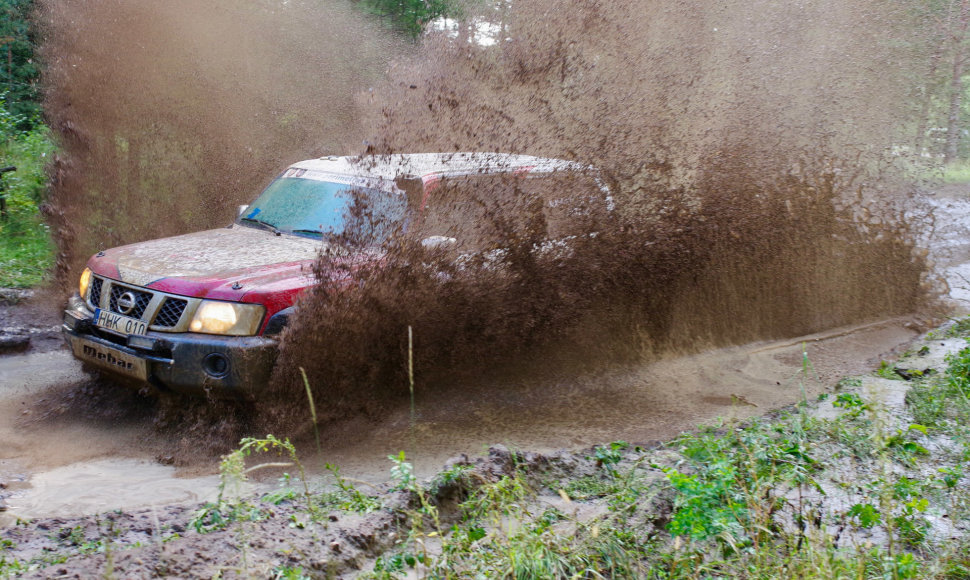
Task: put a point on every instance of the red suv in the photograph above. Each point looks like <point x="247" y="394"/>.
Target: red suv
<point x="202" y="312"/>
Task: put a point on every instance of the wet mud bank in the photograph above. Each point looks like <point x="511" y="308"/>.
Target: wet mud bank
<point x="343" y="527"/>
<point x="74" y="444"/>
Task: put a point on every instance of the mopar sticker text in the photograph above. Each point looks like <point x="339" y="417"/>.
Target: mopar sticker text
<point x="106" y="358"/>
<point x="109" y="358"/>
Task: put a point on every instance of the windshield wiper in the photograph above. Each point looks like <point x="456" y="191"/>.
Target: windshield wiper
<point x="264" y="225"/>
<point x="313" y="232"/>
<point x="321" y="234"/>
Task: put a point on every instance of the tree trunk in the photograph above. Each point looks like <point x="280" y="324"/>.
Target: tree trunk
<point x="956" y="85"/>
<point x="926" y="95"/>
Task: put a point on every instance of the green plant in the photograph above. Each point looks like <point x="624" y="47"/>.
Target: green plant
<point x="705" y="504"/>
<point x="279" y="496"/>
<point x="853" y="404"/>
<point x="347" y="496"/>
<point x="26" y="250"/>
<point x="848" y="383"/>
<point x="289" y="573"/>
<point x="607" y="457"/>
<point x="887" y="370"/>
<point x="956" y="172"/>
<point x="865" y="514"/>
<point x="402" y="473"/>
<point x="960" y="327"/>
<point x="229" y="506"/>
<point x="951" y="475"/>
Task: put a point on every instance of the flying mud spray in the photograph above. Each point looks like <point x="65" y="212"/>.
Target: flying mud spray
<point x="747" y="146"/>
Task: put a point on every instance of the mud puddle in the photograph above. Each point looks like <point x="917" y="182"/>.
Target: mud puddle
<point x="63" y="455"/>
<point x="103" y="484"/>
<point x="638" y="405"/>
<point x="66" y="452"/>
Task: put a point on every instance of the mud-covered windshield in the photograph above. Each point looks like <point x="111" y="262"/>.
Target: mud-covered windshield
<point x="312" y="207"/>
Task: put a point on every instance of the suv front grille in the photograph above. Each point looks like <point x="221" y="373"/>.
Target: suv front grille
<point x="140" y="300"/>
<point x="170" y="312"/>
<point x="162" y="311"/>
<point x="96" y="284"/>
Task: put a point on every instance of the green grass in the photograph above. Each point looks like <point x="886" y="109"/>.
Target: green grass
<point x="26" y="249"/>
<point x="795" y="495"/>
<point x="958" y="172"/>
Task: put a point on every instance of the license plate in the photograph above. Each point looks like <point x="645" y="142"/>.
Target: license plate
<point x="110" y="358"/>
<point x="118" y="323"/>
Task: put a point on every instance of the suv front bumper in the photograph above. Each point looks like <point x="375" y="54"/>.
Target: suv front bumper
<point x="191" y="363"/>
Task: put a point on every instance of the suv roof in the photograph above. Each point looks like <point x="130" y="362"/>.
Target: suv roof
<point x="429" y="165"/>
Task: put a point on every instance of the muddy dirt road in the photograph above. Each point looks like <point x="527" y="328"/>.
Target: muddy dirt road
<point x="72" y="445"/>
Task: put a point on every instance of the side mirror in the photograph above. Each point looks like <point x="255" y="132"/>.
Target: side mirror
<point x="240" y="210"/>
<point x="438" y="242"/>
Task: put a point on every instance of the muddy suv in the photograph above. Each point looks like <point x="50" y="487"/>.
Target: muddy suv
<point x="202" y="312"/>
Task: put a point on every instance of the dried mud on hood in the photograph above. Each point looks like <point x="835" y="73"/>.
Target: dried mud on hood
<point x="226" y="255"/>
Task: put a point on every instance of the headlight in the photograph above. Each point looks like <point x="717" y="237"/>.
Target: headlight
<point x="84" y="283"/>
<point x="230" y="318"/>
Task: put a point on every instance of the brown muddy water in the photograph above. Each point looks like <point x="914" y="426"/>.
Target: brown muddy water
<point x="58" y="461"/>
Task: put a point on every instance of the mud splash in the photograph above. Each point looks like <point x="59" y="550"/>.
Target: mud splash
<point x="750" y="155"/>
<point x="746" y="145"/>
<point x="168" y="115"/>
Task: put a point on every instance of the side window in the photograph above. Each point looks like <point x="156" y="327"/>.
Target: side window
<point x="458" y="208"/>
<point x="572" y="203"/>
<point x="487" y="211"/>
<point x="371" y="216"/>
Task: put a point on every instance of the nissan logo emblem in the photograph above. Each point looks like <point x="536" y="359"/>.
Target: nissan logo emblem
<point x="126" y="303"/>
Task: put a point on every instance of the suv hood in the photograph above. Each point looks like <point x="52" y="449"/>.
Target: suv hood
<point x="194" y="264"/>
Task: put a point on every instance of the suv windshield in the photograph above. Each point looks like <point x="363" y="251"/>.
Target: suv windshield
<point x="321" y="209"/>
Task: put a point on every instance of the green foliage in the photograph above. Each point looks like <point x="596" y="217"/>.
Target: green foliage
<point x="347" y="497"/>
<point x="230" y="507"/>
<point x="959" y="328"/>
<point x="588" y="487"/>
<point x="943" y="401"/>
<point x="19" y="72"/>
<point x="282" y="495"/>
<point x="402" y="472"/>
<point x="289" y="573"/>
<point x="887" y="370"/>
<point x="951" y="475"/>
<point x="609" y="456"/>
<point x="866" y="514"/>
<point x="456" y="475"/>
<point x="411" y="16"/>
<point x="958" y="372"/>
<point x="705" y="505"/>
<point x="903" y="447"/>
<point x="852" y="403"/>
<point x="498" y="500"/>
<point x="849" y="383"/>
<point x="26" y="250"/>
<point x="910" y="526"/>
<point x="958" y="172"/>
